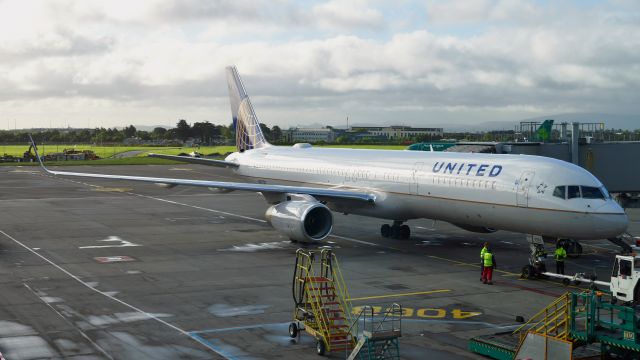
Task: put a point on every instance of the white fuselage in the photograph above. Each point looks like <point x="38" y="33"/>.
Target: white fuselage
<point x="507" y="192"/>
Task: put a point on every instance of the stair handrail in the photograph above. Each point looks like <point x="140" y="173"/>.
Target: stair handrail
<point x="396" y="316"/>
<point x="355" y="326"/>
<point x="339" y="283"/>
<point x="355" y="323"/>
<point x="321" y="317"/>
<point x="553" y="320"/>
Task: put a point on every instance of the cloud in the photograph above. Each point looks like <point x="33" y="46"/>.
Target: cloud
<point x="347" y="14"/>
<point x="314" y="62"/>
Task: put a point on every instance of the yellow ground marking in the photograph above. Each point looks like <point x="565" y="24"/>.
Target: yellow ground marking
<point x="428" y="313"/>
<point x="506" y="273"/>
<point x="461" y="263"/>
<point x="112" y="189"/>
<point x="400" y="295"/>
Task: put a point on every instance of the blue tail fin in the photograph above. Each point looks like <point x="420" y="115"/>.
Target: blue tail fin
<point x="248" y="132"/>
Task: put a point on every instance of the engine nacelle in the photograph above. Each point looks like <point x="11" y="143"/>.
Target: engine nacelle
<point x="301" y="220"/>
<point x="476" y="229"/>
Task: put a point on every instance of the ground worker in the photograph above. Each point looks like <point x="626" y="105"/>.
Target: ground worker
<point x="560" y="255"/>
<point x="484" y="249"/>
<point x="488" y="263"/>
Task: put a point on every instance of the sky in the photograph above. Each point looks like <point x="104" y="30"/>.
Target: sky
<point x="86" y="63"/>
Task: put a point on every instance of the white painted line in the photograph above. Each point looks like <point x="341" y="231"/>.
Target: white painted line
<point x="354" y="240"/>
<point x="198" y="207"/>
<point x="82" y="333"/>
<point x="74" y="277"/>
<point x="251" y="218"/>
<point x="123" y="243"/>
<point x="112" y="259"/>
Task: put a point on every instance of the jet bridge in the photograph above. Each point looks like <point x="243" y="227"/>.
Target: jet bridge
<point x="614" y="163"/>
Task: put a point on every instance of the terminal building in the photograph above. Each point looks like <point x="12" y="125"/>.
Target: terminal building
<point x="380" y="133"/>
<point x="584" y="144"/>
<point x="310" y="135"/>
<point x="399" y="132"/>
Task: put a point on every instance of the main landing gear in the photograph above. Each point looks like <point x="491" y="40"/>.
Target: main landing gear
<point x="395" y="230"/>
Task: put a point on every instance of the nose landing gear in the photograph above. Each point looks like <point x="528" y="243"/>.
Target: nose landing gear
<point x="395" y="230"/>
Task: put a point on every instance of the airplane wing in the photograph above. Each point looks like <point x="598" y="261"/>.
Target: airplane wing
<point x="194" y="160"/>
<point x="327" y="193"/>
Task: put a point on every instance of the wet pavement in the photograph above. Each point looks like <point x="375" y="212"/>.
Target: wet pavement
<point x="95" y="269"/>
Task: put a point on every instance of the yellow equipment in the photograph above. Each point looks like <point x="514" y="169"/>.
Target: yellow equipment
<point x="322" y="304"/>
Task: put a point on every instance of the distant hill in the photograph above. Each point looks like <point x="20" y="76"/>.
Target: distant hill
<point x="151" y="127"/>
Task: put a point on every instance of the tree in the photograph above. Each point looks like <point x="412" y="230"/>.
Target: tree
<point x="129" y="131"/>
<point x="229" y="132"/>
<point x="265" y="131"/>
<point x="158" y="133"/>
<point x="143" y="135"/>
<point x="183" y="130"/>
<point x="276" y="133"/>
<point x="205" y="131"/>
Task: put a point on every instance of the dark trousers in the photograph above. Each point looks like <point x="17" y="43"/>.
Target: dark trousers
<point x="560" y="267"/>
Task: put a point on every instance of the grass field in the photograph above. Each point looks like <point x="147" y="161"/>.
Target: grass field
<point x="108" y="154"/>
<point x="111" y="151"/>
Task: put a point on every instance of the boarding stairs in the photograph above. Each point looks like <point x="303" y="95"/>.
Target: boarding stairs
<point x="323" y="307"/>
<point x="574" y="326"/>
<point x="377" y="334"/>
<point x="626" y="242"/>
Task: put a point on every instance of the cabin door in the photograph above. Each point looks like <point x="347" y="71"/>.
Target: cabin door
<point x="522" y="192"/>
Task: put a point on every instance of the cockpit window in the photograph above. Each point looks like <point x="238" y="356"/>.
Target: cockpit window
<point x="560" y="192"/>
<point x="590" y="192"/>
<point x="573" y="191"/>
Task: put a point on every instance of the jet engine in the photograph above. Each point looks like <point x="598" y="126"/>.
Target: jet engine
<point x="476" y="229"/>
<point x="301" y="220"/>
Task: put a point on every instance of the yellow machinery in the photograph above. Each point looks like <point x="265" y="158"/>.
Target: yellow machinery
<point x="322" y="304"/>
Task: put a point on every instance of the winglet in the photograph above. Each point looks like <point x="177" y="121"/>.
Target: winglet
<point x="35" y="149"/>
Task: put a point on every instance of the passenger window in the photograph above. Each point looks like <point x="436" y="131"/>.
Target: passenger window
<point x="625" y="267"/>
<point x="560" y="191"/>
<point x="589" y="192"/>
<point x="573" y="191"/>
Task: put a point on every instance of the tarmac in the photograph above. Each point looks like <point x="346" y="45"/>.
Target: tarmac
<point x="100" y="269"/>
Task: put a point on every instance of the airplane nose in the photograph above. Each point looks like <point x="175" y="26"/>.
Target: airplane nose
<point x="610" y="224"/>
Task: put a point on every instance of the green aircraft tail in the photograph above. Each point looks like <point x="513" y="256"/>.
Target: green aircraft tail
<point x="544" y="131"/>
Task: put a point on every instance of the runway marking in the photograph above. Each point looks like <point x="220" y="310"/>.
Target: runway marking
<point x="132" y="307"/>
<point x="355" y="240"/>
<point x="82" y="333"/>
<point x="508" y="273"/>
<point x="462" y="263"/>
<point x="113" y="189"/>
<point x="426" y="313"/>
<point x="197" y="207"/>
<point x="286" y="324"/>
<point x="400" y="295"/>
<point x="123" y="243"/>
<point x="112" y="259"/>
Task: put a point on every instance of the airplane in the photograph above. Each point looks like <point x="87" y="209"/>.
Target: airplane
<point x="482" y="193"/>
<point x="544" y="131"/>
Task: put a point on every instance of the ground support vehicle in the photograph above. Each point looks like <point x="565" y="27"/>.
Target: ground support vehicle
<point x="574" y="326"/>
<point x="625" y="275"/>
